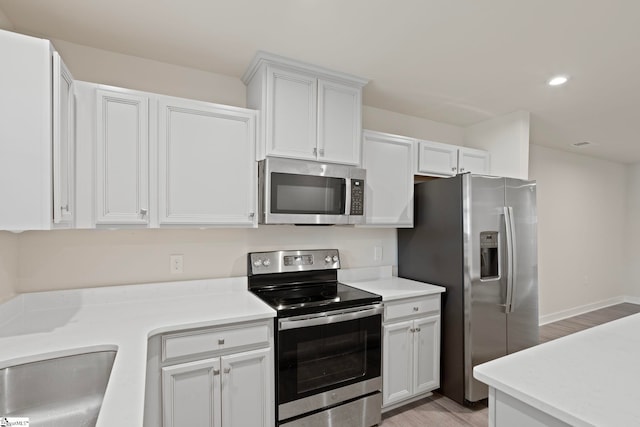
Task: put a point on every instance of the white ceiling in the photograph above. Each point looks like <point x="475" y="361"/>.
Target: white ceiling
<point x="454" y="61"/>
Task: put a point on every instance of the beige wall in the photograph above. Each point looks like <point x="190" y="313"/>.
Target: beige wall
<point x="84" y="258"/>
<point x="414" y="127"/>
<point x="582" y="213"/>
<point x="5" y="24"/>
<point x="8" y="265"/>
<point x="632" y="259"/>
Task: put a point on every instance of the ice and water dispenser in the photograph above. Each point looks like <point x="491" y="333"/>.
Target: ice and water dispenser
<point x="489" y="255"/>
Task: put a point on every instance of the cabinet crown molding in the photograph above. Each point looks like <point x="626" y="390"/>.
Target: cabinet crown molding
<point x="266" y="58"/>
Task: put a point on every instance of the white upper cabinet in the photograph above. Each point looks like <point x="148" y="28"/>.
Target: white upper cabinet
<point x="36" y="136"/>
<point x="122" y="158"/>
<point x="388" y="160"/>
<point x="206" y="164"/>
<point x="307" y="112"/>
<point x="437" y="159"/>
<point x="474" y="161"/>
<point x="164" y="161"/>
<point x="63" y="144"/>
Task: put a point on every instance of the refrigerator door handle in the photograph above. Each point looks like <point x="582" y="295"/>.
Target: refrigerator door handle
<point x="511" y="261"/>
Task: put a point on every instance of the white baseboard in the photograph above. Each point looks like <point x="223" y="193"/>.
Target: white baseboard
<point x="559" y="315"/>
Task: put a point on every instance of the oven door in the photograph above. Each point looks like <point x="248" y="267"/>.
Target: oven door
<point x="327" y="359"/>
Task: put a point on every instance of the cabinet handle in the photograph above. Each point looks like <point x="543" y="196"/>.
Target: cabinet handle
<point x="227" y="370"/>
<point x="216" y="372"/>
<point x="322" y="152"/>
<point x="221" y="342"/>
<point x="461" y="169"/>
<point x="415" y="309"/>
<point x="143" y="212"/>
<point x="417" y="329"/>
<point x="252" y="214"/>
<point x="453" y="169"/>
<point x="65" y="208"/>
<point x="315" y="151"/>
<point x="412" y="330"/>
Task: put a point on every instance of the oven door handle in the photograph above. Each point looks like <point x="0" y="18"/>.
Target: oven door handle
<point x="327" y="318"/>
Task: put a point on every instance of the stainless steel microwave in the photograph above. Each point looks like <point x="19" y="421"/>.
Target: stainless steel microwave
<point x="305" y="192"/>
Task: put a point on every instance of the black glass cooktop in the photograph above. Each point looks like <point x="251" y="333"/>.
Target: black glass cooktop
<point x="303" y="298"/>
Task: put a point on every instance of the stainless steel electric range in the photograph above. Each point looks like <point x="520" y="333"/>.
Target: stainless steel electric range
<point x="328" y="340"/>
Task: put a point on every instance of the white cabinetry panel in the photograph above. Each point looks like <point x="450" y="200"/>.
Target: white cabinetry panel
<point x="397" y="362"/>
<point x="411" y="350"/>
<point x="246" y="389"/>
<point x="291" y="114"/>
<point x="474" y="161"/>
<point x="63" y="144"/>
<point x="122" y="158"/>
<point x="437" y="159"/>
<point x="206" y="169"/>
<point x="36" y="136"/>
<point x="339" y="122"/>
<point x="191" y="394"/>
<point x="388" y="160"/>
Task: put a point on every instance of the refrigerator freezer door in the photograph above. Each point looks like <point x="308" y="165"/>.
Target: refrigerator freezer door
<point x="522" y="321"/>
<point x="485" y="318"/>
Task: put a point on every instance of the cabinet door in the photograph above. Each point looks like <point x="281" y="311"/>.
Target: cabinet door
<point x="426" y="354"/>
<point x="388" y="160"/>
<point x="247" y="389"/>
<point x="63" y="144"/>
<point x="207" y="168"/>
<point x="191" y="394"/>
<point x="397" y="366"/>
<point x="122" y="158"/>
<point x="437" y="159"/>
<point x="474" y="161"/>
<point x="291" y="114"/>
<point x="339" y="122"/>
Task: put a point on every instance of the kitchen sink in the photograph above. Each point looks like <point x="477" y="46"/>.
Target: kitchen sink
<point x="62" y="391"/>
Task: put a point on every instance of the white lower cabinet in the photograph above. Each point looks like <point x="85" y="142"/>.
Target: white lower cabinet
<point x="229" y="391"/>
<point x="211" y="377"/>
<point x="411" y="350"/>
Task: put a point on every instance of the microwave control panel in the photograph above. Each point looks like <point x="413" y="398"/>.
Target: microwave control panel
<point x="357" y="197"/>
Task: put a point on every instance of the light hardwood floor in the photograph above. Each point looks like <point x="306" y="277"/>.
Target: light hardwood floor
<point x="439" y="411"/>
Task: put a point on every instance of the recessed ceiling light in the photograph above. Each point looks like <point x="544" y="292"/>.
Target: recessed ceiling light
<point x="558" y="80"/>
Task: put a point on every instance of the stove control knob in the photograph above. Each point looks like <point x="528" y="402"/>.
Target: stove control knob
<point x="257" y="262"/>
<point x="327" y="259"/>
<point x="335" y="258"/>
<point x="266" y="262"/>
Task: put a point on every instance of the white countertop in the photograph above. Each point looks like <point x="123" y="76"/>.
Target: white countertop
<point x="585" y="379"/>
<point x="381" y="282"/>
<point x="43" y="325"/>
<point x="52" y="324"/>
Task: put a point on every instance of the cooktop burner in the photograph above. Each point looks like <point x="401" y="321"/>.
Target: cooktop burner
<point x="301" y="282"/>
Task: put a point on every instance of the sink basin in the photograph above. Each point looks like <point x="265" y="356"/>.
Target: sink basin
<point x="63" y="391"/>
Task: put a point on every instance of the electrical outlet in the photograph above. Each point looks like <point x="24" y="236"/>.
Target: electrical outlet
<point x="176" y="264"/>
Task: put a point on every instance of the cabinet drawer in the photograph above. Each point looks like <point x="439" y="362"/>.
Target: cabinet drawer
<point x="413" y="307"/>
<point x="184" y="344"/>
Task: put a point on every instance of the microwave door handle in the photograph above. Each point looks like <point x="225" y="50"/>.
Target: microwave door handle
<point x="347" y="196"/>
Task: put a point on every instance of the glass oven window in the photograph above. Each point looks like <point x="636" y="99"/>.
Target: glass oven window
<point x="307" y="194"/>
<point x="315" y="359"/>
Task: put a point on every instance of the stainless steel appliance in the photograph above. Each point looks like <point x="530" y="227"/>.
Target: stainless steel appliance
<point x="476" y="236"/>
<point x="304" y="192"/>
<point x="328" y="340"/>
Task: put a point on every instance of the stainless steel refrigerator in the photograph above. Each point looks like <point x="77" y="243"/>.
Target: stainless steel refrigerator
<point x="477" y="237"/>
